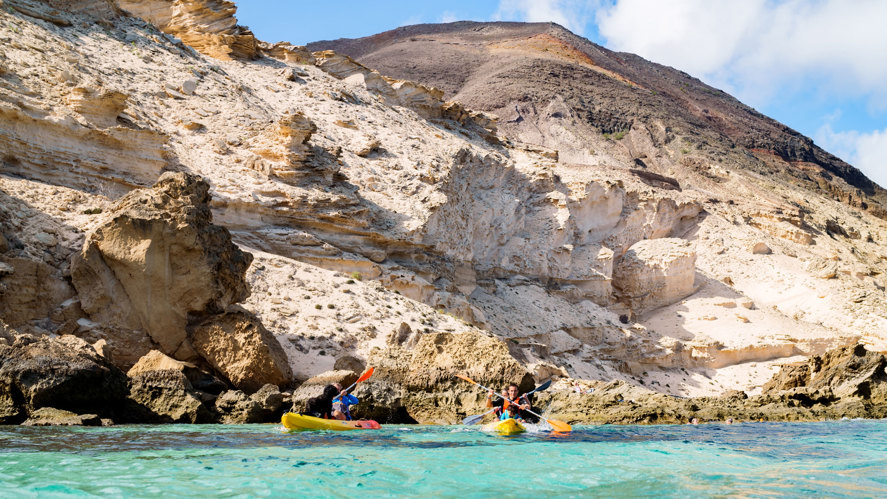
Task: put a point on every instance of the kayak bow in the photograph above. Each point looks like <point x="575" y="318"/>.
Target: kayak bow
<point x="505" y="427"/>
<point x="293" y="421"/>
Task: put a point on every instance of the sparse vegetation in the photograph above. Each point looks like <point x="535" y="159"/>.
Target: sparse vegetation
<point x="356" y="276"/>
<point x="318" y="306"/>
<point x="616" y="135"/>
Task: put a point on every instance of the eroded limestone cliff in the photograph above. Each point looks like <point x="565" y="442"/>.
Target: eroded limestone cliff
<point x="388" y="227"/>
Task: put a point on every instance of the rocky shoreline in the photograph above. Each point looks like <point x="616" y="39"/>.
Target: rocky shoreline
<point x="206" y="360"/>
<point x="199" y="227"/>
<point x="66" y="381"/>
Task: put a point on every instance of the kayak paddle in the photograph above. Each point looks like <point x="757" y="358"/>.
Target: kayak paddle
<point x="363" y="377"/>
<point x="540" y="388"/>
<point x="470" y="420"/>
<point x="558" y="426"/>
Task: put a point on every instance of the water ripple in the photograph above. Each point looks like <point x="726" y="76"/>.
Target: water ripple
<point x="844" y="458"/>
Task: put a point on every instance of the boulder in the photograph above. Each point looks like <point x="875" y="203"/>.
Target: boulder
<point x="314" y="386"/>
<point x="822" y="268"/>
<point x="419" y="384"/>
<point x="64" y="373"/>
<point x="351" y="363"/>
<point x="156" y="258"/>
<point x="236" y="407"/>
<point x="49" y="416"/>
<point x="656" y="272"/>
<point x="264" y="406"/>
<point x="761" y="249"/>
<point x="200" y="380"/>
<point x="269" y="398"/>
<point x="165" y="396"/>
<point x="238" y="347"/>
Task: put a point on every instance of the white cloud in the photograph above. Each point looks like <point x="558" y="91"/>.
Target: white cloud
<point x="866" y="151"/>
<point x="753" y="47"/>
<point x="571" y="14"/>
<point x="757" y="50"/>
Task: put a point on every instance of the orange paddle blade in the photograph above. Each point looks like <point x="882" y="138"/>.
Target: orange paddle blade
<point x="466" y="378"/>
<point x="559" y="426"/>
<point x="366" y="375"/>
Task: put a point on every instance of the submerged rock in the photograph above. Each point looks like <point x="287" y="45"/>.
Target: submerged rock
<point x="49" y="416"/>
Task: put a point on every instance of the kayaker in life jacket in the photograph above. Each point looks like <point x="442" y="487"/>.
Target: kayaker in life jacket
<point x="510" y="412"/>
<point x="342" y="403"/>
<point x="512" y="393"/>
<point x="322" y="405"/>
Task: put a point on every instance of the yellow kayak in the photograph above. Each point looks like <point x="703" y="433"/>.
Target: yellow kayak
<point x="505" y="427"/>
<point x="293" y="421"/>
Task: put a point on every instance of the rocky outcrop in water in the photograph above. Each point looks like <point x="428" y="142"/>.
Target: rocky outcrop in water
<point x="267" y="405"/>
<point x="419" y="383"/>
<point x="157" y="265"/>
<point x="848" y="382"/>
<point x="64" y="373"/>
<point x="48" y="416"/>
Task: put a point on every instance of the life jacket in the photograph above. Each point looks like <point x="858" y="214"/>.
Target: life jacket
<point x="515" y="408"/>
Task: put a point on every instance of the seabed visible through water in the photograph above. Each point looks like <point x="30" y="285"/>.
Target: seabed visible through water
<point x="840" y="458"/>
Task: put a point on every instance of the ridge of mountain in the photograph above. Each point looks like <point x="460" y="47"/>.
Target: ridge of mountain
<point x="504" y="68"/>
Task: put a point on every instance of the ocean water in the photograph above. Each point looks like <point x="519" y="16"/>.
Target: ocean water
<point x="841" y="458"/>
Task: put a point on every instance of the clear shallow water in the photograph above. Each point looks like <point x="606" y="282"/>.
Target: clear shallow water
<point x="846" y="458"/>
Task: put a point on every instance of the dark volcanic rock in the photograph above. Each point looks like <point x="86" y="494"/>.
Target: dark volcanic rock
<point x="64" y="373"/>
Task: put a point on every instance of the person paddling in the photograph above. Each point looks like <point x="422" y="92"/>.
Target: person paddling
<point x="342" y="403"/>
<point x="511" y="412"/>
<point x="322" y="405"/>
<point x="511" y="393"/>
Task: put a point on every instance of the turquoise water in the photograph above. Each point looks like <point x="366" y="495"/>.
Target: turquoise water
<point x="845" y="458"/>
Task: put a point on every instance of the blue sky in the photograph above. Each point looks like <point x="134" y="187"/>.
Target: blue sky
<point x="819" y="66"/>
